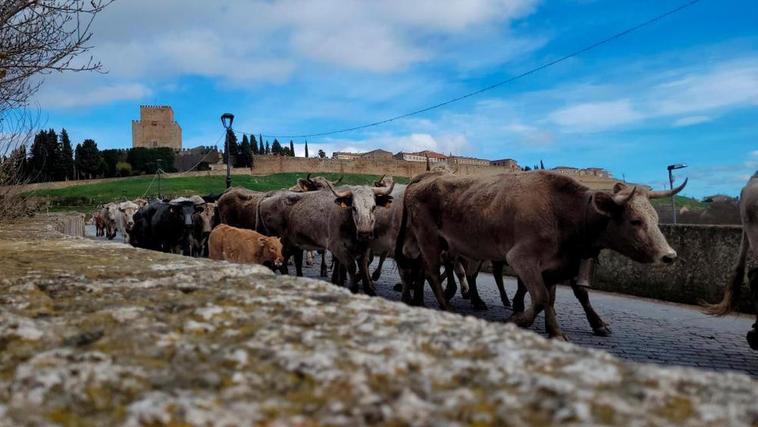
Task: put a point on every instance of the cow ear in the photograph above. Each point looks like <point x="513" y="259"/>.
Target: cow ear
<point x="605" y="205"/>
<point x="618" y="187"/>
<point x="344" y="202"/>
<point x="261" y="241"/>
<point x="384" y="201"/>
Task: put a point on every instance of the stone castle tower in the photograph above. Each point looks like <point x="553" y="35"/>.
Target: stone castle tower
<point x="156" y="128"/>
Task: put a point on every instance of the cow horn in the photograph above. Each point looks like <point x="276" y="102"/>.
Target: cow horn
<point x="667" y="193"/>
<point x="339" y="180"/>
<point x="384" y="191"/>
<point x="344" y="193"/>
<point x="622" y="199"/>
<point x="308" y="177"/>
<point x="378" y="182"/>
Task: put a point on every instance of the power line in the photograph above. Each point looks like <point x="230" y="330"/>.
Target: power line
<point x="500" y="83"/>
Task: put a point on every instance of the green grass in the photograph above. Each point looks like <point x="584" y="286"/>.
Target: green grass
<point x="84" y="198"/>
<point x="681" y="201"/>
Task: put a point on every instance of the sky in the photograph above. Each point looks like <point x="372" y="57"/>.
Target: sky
<point x="683" y="90"/>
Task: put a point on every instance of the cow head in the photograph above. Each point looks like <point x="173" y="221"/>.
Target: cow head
<point x="313" y="184"/>
<point x="128" y="209"/>
<point x="204" y="218"/>
<point x="632" y="228"/>
<point x="362" y="201"/>
<point x="185" y="208"/>
<point x="271" y="250"/>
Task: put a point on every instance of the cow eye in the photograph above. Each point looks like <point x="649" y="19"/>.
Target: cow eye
<point x="636" y="222"/>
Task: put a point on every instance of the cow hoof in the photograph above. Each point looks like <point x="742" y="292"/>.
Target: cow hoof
<point x="376" y="275"/>
<point x="752" y="339"/>
<point x="398" y="287"/>
<point x="602" y="331"/>
<point x="354" y="289"/>
<point x="560" y="337"/>
<point x="506" y="303"/>
<point x="466" y="295"/>
<point x="478" y="305"/>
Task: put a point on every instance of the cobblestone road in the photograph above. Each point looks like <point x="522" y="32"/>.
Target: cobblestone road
<point x="643" y="330"/>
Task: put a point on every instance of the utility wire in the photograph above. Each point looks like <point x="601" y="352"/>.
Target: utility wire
<point x="503" y="82"/>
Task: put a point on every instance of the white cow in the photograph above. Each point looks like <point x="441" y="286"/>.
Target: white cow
<point x="124" y="218"/>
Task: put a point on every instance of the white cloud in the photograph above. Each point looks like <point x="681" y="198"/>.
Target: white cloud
<point x="98" y="95"/>
<point x="595" y="116"/>
<point x="691" y="120"/>
<point x="445" y="143"/>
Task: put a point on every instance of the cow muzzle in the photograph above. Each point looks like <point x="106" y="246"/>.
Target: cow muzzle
<point x="365" y="235"/>
<point x="669" y="257"/>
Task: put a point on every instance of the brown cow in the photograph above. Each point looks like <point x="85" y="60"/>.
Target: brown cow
<point x="748" y="246"/>
<point x="542" y="224"/>
<point x="237" y="207"/>
<point x="244" y="246"/>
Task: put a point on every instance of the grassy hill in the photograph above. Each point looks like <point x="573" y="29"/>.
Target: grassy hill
<point x="85" y="198"/>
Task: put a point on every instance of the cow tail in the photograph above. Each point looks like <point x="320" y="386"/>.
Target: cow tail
<point x="259" y="225"/>
<point x="732" y="291"/>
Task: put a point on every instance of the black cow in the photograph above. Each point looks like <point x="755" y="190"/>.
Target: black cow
<point x="165" y="226"/>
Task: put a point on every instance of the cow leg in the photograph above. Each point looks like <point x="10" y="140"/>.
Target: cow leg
<point x="298" y="255"/>
<point x="599" y="327"/>
<point x="323" y="263"/>
<point x="451" y="287"/>
<point x="335" y="271"/>
<point x="752" y="334"/>
<point x="497" y="271"/>
<point x="523" y="263"/>
<point x="476" y="301"/>
<point x="432" y="262"/>
<point x="378" y="271"/>
<point x="368" y="285"/>
<point x="460" y="272"/>
<point x="518" y="299"/>
<point x="551" y="319"/>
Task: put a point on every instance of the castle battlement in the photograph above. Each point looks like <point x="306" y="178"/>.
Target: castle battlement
<point x="156" y="128"/>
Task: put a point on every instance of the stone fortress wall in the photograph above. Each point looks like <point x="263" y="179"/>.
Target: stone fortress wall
<point x="156" y="128"/>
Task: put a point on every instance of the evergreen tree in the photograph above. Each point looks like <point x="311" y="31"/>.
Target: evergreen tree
<point x="261" y="148"/>
<point x="233" y="148"/>
<point x="306" y="148"/>
<point x="268" y="148"/>
<point x="292" y="148"/>
<point x="38" y="158"/>
<point x="89" y="161"/>
<point x="276" y="147"/>
<point x="321" y="154"/>
<point x="245" y="156"/>
<point x="254" y="145"/>
<point x="67" y="158"/>
<point x="542" y="165"/>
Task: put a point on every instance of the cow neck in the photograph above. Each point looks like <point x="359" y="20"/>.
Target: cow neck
<point x="590" y="230"/>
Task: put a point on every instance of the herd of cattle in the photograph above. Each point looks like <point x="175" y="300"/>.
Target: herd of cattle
<point x="547" y="227"/>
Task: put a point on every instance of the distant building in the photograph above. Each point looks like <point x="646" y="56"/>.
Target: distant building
<point x="462" y="160"/>
<point x="568" y="170"/>
<point x="344" y="155"/>
<point x="198" y="158"/>
<point x="156" y="128"/>
<point x="377" y="155"/>
<point x="506" y="163"/>
<point x="597" y="172"/>
<point x="421" y="156"/>
<point x="719" y="198"/>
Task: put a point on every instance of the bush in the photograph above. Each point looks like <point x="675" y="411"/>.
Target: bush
<point x="123" y="169"/>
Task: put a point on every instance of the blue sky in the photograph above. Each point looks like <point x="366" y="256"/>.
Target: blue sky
<point x="682" y="90"/>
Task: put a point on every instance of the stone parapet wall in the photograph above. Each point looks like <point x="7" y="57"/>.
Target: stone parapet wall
<point x="707" y="255"/>
<point x="96" y="333"/>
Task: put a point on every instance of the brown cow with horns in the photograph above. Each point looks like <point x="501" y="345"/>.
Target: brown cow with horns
<point x="542" y="224"/>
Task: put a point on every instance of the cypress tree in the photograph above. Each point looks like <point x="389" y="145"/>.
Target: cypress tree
<point x="276" y="147"/>
<point x="292" y="148"/>
<point x="245" y="153"/>
<point x="67" y="152"/>
<point x="268" y="148"/>
<point x="306" y="148"/>
<point x="253" y="145"/>
<point x="89" y="161"/>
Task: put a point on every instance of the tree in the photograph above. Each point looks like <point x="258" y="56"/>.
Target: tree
<point x="67" y="158"/>
<point x="147" y="160"/>
<point x="36" y="38"/>
<point x="261" y="148"/>
<point x="123" y="169"/>
<point x="89" y="161"/>
<point x="306" y="148"/>
<point x="253" y="145"/>
<point x="292" y="148"/>
<point x="244" y="159"/>
<point x="276" y="147"/>
<point x="233" y="148"/>
<point x="268" y="148"/>
<point x="321" y="154"/>
<point x="542" y="165"/>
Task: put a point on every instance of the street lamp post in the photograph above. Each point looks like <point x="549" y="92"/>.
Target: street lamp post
<point x="671" y="183"/>
<point x="227" y="119"/>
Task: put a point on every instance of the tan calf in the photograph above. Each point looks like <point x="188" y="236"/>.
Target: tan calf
<point x="244" y="246"/>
